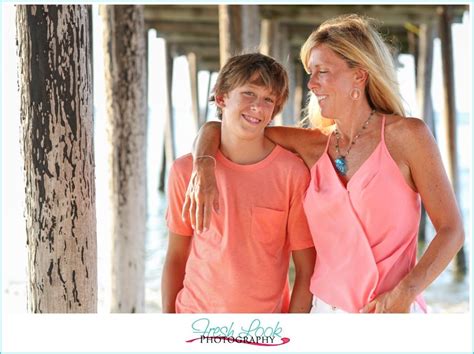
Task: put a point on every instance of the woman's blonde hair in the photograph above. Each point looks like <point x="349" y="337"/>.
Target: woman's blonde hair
<point x="356" y="40"/>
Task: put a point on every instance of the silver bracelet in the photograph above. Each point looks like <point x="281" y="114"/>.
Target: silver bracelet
<point x="208" y="156"/>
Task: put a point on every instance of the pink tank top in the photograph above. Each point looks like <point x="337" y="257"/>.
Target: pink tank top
<point x="365" y="233"/>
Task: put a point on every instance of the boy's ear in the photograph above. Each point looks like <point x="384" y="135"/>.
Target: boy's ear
<point x="220" y="101"/>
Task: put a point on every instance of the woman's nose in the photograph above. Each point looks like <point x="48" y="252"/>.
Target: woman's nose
<point x="312" y="82"/>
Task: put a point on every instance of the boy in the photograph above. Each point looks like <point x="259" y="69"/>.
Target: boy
<point x="241" y="263"/>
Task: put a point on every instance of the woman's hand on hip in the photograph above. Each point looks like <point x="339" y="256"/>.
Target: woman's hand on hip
<point x="394" y="301"/>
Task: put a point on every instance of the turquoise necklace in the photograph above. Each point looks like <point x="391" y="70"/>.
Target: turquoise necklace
<point x="340" y="161"/>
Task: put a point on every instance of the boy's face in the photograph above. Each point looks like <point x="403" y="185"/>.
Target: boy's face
<point x="247" y="110"/>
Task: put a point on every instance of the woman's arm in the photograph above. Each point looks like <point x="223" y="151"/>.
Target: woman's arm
<point x="202" y="194"/>
<point x="437" y="195"/>
<point x="296" y="140"/>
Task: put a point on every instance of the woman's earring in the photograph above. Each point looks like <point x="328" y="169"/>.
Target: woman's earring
<point x="355" y="94"/>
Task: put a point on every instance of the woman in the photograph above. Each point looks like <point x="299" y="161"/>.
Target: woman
<point x="369" y="170"/>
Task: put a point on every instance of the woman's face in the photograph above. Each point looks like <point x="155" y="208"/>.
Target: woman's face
<point x="331" y="81"/>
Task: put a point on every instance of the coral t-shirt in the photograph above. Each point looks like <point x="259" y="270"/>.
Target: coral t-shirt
<point x="241" y="263"/>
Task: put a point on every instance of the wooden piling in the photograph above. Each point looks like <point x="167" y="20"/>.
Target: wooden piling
<point x="230" y="31"/>
<point x="250" y="28"/>
<point x="449" y="113"/>
<point x="208" y="93"/>
<point x="169" y="150"/>
<point x="424" y="64"/>
<point x="58" y="156"/>
<point x="125" y="80"/>
<point x="193" y="79"/>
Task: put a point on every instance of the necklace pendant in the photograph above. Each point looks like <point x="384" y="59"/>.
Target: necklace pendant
<point x="341" y="165"/>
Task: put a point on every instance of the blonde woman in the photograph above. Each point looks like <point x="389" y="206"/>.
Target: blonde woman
<point x="370" y="171"/>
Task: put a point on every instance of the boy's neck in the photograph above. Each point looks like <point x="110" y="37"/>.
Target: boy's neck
<point x="245" y="152"/>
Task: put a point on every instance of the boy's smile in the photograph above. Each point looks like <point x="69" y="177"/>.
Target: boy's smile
<point x="250" y="119"/>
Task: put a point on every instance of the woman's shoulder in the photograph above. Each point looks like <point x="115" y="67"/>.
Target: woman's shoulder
<point x="403" y="128"/>
<point x="406" y="137"/>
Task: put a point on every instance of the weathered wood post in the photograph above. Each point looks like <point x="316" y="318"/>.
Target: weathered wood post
<point x="271" y="45"/>
<point x="54" y="48"/>
<point x="449" y="114"/>
<point x="208" y="93"/>
<point x="193" y="79"/>
<point x="169" y="148"/>
<point x="239" y="30"/>
<point x="424" y="60"/>
<point x="301" y="91"/>
<point x="230" y="31"/>
<point x="425" y="73"/>
<point x="270" y="38"/>
<point x="250" y="28"/>
<point x="125" y="80"/>
<point x="286" y="58"/>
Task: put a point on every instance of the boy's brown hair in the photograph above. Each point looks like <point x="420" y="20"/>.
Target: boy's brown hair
<point x="256" y="69"/>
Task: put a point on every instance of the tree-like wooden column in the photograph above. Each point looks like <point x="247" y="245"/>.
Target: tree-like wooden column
<point x="54" y="48"/>
<point x="125" y="71"/>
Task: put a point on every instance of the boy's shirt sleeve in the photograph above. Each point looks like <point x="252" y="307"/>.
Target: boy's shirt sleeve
<point x="299" y="235"/>
<point x="177" y="184"/>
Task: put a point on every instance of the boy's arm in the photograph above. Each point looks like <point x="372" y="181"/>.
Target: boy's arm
<point x="301" y="297"/>
<point x="174" y="269"/>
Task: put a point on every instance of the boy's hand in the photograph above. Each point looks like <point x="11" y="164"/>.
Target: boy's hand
<point x="202" y="195"/>
<point x="301" y="297"/>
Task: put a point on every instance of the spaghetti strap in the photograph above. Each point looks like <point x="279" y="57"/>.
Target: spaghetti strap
<point x="382" y="132"/>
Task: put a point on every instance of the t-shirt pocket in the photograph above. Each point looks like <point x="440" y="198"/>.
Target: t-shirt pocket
<point x="269" y="228"/>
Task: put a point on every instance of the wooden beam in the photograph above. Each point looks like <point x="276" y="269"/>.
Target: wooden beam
<point x="189" y="13"/>
<point x="312" y="15"/>
<point x="207" y="50"/>
<point x="199" y="23"/>
<point x="164" y="28"/>
<point x="388" y="15"/>
<point x="177" y="38"/>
